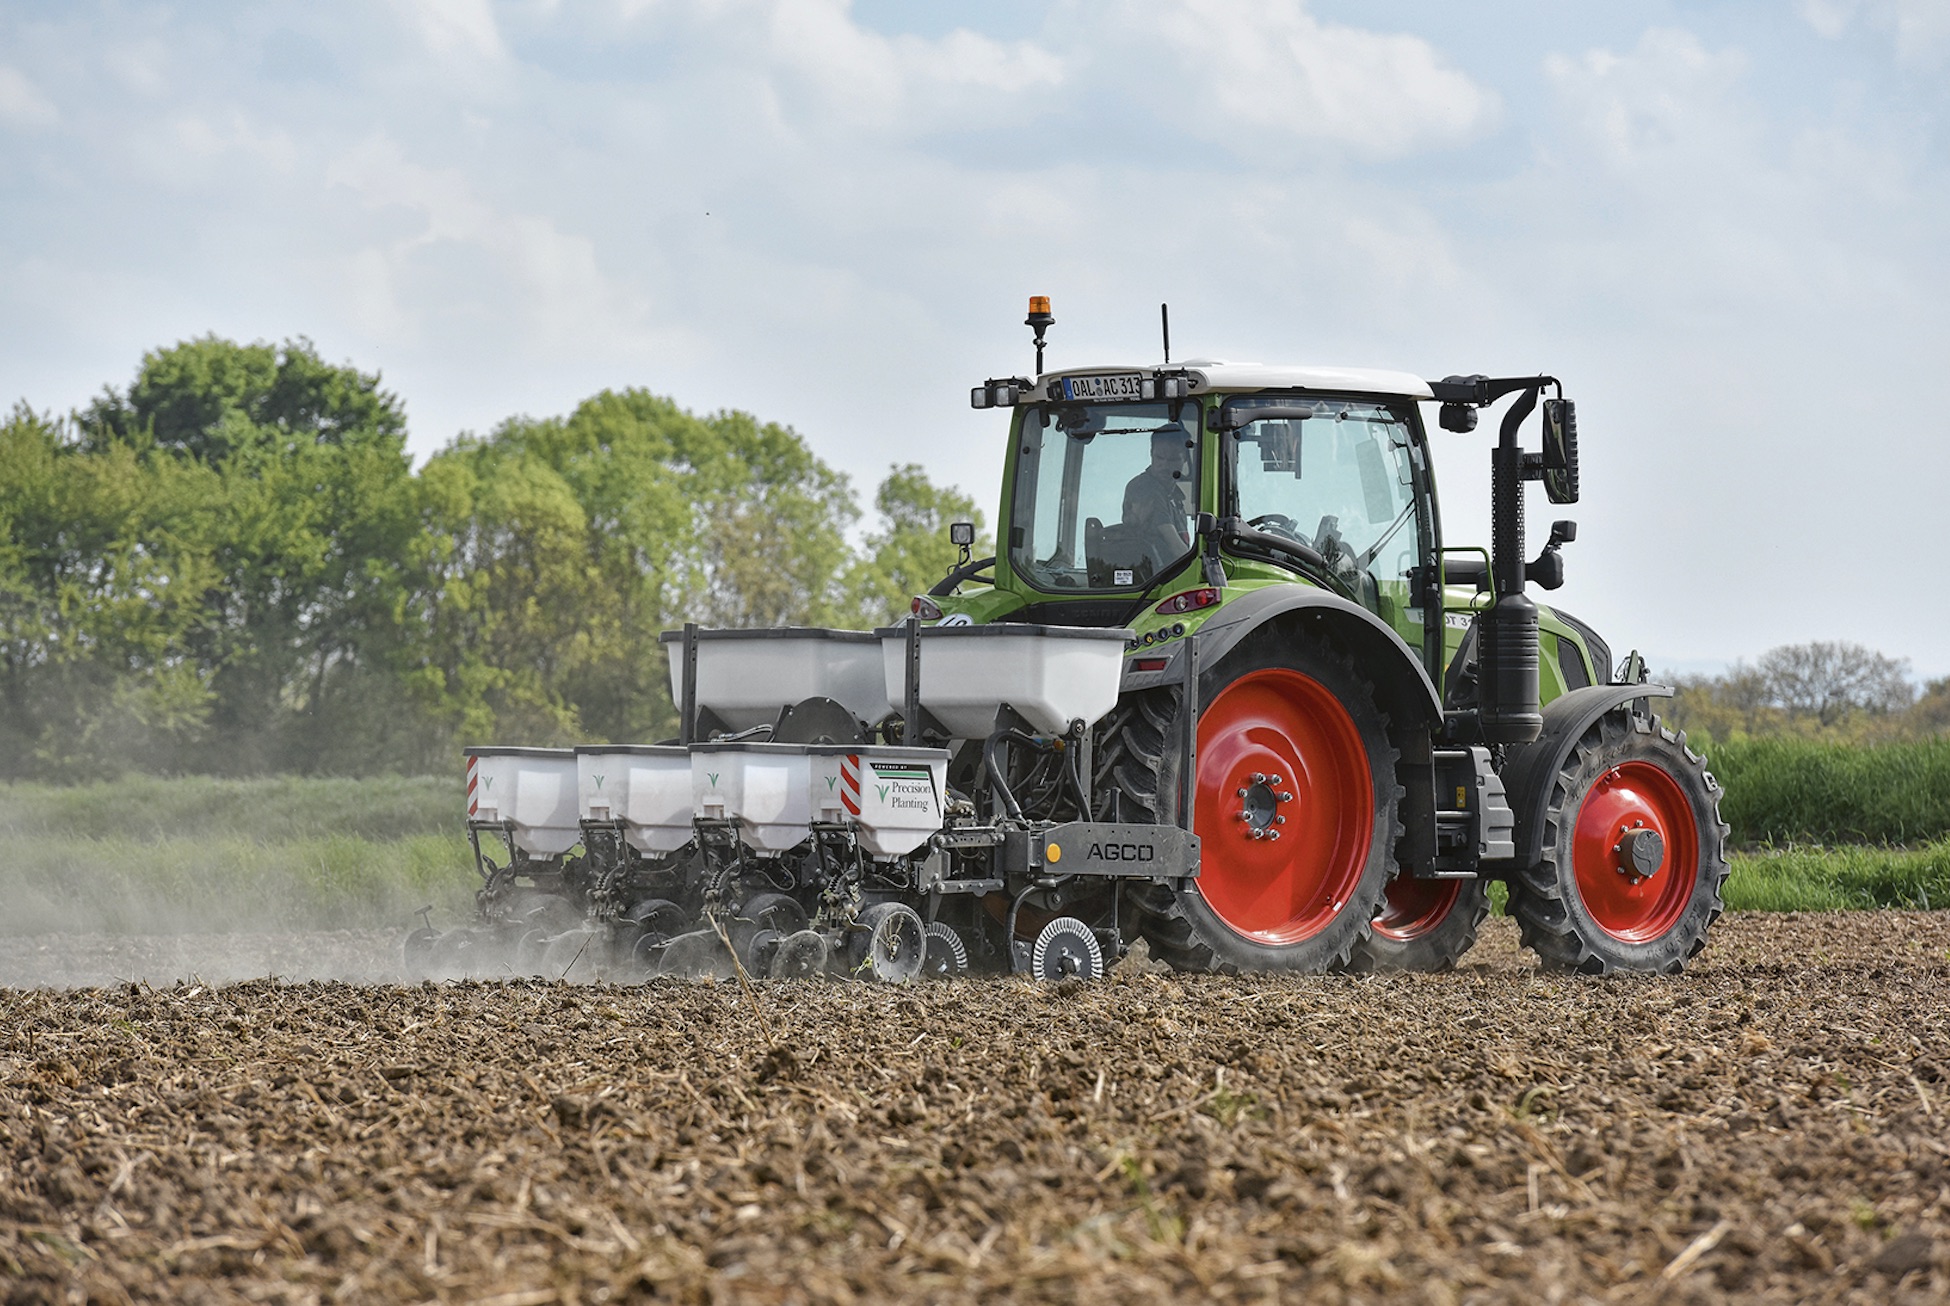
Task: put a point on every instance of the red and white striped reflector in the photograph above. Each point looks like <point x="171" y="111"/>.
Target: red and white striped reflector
<point x="850" y="783"/>
<point x="473" y="782"/>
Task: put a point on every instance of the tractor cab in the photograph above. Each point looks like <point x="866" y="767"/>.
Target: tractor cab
<point x="1123" y="484"/>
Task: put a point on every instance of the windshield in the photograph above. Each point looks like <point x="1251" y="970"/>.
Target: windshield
<point x="1340" y="480"/>
<point x="1104" y="493"/>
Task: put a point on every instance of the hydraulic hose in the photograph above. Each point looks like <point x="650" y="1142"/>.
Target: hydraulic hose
<point x="994" y="767"/>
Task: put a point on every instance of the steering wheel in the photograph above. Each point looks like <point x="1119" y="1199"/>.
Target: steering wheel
<point x="1280" y="522"/>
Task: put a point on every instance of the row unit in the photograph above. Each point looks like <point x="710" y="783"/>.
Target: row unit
<point x="892" y="796"/>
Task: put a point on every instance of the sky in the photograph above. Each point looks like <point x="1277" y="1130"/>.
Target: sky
<point x="1723" y="225"/>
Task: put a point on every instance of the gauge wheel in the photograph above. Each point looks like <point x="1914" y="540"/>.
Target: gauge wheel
<point x="1296" y="809"/>
<point x="1633" y="854"/>
<point x="1423" y="925"/>
<point x="889" y="943"/>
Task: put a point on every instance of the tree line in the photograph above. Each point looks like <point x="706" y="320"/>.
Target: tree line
<point x="232" y="567"/>
<point x="1829" y="690"/>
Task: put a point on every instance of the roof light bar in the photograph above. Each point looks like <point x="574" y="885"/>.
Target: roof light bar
<point x="994" y="393"/>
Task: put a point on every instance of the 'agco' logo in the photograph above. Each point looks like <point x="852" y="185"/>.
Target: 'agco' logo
<point x="1123" y="852"/>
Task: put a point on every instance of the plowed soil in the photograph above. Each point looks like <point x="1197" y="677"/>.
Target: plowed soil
<point x="1770" y="1126"/>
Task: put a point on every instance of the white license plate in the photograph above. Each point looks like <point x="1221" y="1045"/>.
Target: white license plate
<point x="1122" y="386"/>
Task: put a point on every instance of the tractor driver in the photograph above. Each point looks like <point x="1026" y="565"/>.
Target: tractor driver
<point x="1154" y="500"/>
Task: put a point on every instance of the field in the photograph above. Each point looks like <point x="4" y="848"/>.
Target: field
<point x="1769" y="1127"/>
<point x="216" y="1085"/>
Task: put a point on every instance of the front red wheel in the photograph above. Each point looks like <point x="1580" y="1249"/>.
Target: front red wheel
<point x="1636" y="850"/>
<point x="1634" y="854"/>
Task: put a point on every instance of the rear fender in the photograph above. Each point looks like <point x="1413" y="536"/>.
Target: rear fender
<point x="1530" y="773"/>
<point x="1402" y="687"/>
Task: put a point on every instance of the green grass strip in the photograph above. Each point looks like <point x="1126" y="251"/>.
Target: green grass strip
<point x="174" y="885"/>
<point x="273" y="809"/>
<point x="1784" y="790"/>
<point x="1828" y="879"/>
<point x="1841" y="879"/>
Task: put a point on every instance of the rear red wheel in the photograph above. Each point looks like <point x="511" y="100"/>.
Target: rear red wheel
<point x="1413" y="909"/>
<point x="1285" y="806"/>
<point x="1294" y="806"/>
<point x="1634" y="854"/>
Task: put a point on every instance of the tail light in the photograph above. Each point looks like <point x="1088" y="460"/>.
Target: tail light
<point x="1189" y="601"/>
<point x="924" y="609"/>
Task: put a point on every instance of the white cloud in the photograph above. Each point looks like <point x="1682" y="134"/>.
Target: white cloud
<point x="1921" y="28"/>
<point x="458" y="27"/>
<point x="21" y="102"/>
<point x="1668" y="96"/>
<point x="235" y="133"/>
<point x="544" y="282"/>
<point x="1272" y="70"/>
<point x="833" y="74"/>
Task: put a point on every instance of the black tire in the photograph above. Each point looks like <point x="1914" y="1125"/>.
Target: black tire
<point x="1423" y="925"/>
<point x="1583" y="907"/>
<point x="1137" y="773"/>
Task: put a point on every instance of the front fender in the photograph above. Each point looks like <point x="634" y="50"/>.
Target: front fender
<point x="1529" y="774"/>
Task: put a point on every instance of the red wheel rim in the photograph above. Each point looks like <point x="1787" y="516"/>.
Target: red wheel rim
<point x="1280" y="725"/>
<point x="1630" y="796"/>
<point x="1414" y="908"/>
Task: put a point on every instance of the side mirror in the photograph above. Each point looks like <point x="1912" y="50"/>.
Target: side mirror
<point x="1547" y="569"/>
<point x="1561" y="450"/>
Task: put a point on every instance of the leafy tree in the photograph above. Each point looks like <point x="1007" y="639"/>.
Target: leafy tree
<point x="191" y="396"/>
<point x="231" y="567"/>
<point x="100" y="586"/>
<point x="910" y="552"/>
<point x="309" y="501"/>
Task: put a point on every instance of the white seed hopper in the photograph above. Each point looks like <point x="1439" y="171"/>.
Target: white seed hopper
<point x="765" y="788"/>
<point x="533" y="788"/>
<point x="1051" y="675"/>
<point x="645" y="786"/>
<point x="892" y="796"/>
<point x="746" y="676"/>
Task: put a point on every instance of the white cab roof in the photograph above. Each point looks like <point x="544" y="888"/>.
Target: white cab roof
<point x="1209" y="374"/>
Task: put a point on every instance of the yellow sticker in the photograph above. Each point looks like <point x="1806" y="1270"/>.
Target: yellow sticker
<point x="1054" y="852"/>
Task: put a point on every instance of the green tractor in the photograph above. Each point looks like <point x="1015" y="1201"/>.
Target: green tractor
<point x="1363" y="724"/>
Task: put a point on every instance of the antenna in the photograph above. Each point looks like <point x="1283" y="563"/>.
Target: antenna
<point x="1164" y="323"/>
